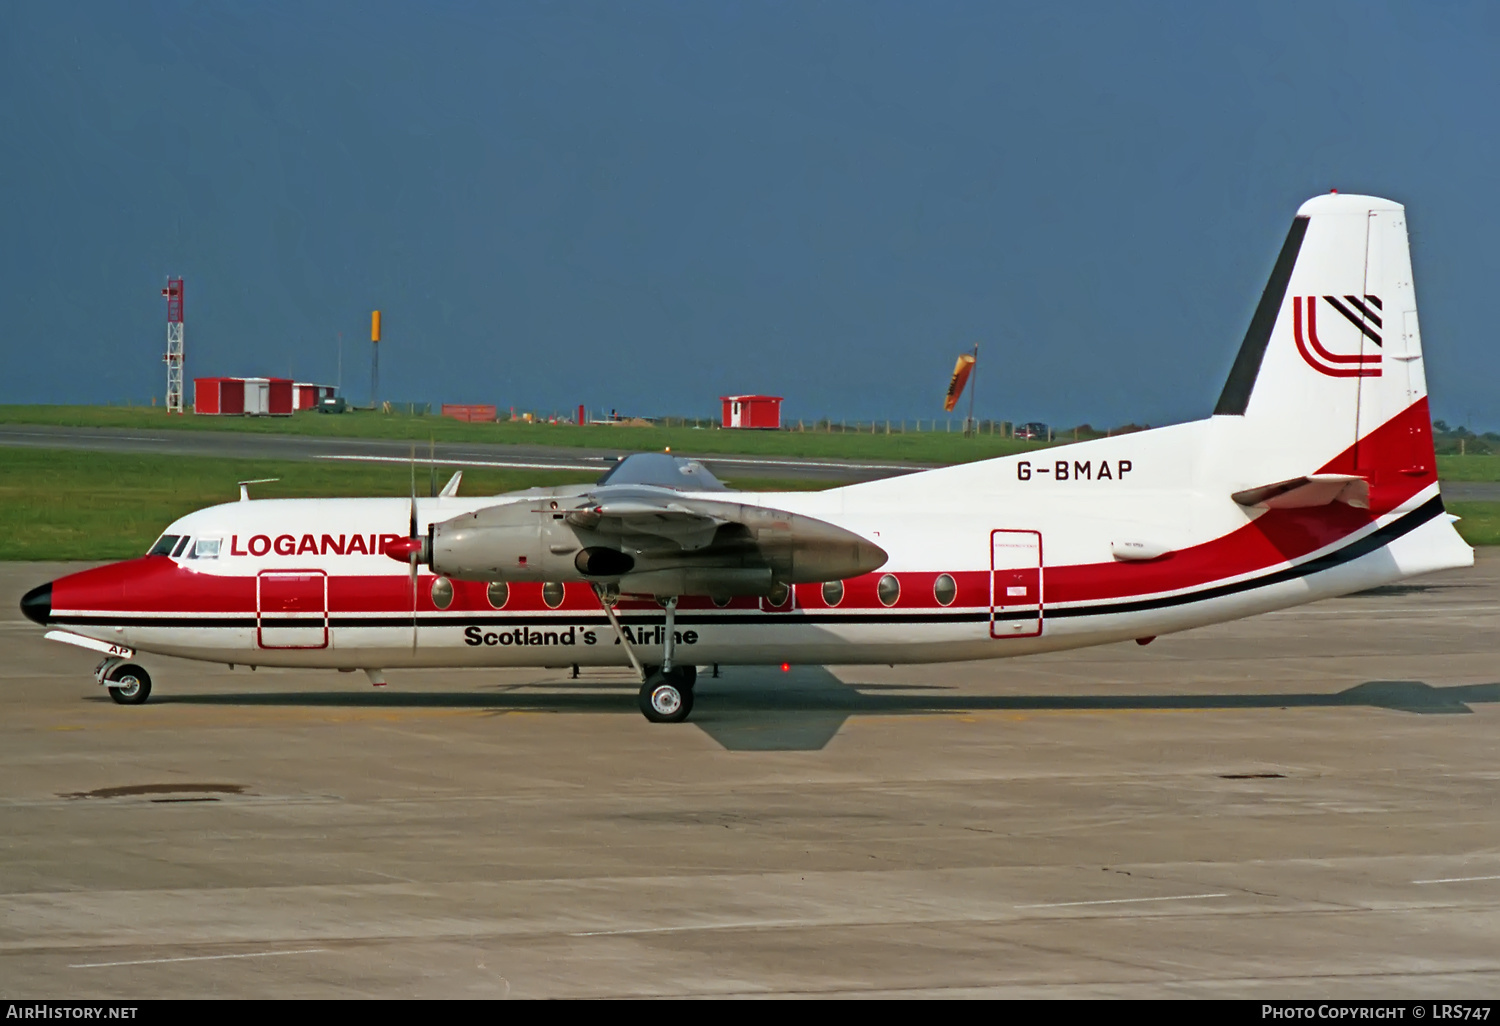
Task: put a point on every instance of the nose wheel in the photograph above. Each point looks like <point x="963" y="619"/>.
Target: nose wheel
<point x="128" y="684"/>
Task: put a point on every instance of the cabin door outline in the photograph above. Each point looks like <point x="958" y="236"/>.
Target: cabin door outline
<point x="1017" y="584"/>
<point x="291" y="609"/>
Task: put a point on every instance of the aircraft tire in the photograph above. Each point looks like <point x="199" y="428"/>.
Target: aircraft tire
<point x="666" y="699"/>
<point x="129" y="684"/>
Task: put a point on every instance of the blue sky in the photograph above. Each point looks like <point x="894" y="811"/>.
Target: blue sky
<point x="645" y="205"/>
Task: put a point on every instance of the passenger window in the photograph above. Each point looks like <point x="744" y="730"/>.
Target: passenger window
<point x="206" y="548"/>
<point x="164" y="545"/>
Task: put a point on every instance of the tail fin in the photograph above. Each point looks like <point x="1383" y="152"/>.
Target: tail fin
<point x="1330" y="371"/>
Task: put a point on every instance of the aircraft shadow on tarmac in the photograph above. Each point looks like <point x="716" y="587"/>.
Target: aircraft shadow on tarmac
<point x="764" y="709"/>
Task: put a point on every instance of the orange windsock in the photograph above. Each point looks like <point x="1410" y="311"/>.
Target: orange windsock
<point x="961" y="371"/>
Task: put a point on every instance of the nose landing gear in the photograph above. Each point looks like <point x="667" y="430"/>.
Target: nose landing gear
<point x="128" y="684"/>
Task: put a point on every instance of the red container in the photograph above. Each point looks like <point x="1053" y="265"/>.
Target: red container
<point x="752" y="411"/>
<point x="219" y="396"/>
<point x="280" y="402"/>
<point x="474" y="413"/>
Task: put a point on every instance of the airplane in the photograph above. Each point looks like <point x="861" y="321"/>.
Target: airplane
<point x="1314" y="477"/>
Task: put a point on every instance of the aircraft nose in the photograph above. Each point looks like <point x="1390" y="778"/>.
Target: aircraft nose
<point x="36" y="604"/>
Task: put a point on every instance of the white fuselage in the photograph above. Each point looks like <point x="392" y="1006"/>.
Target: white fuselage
<point x="1039" y="552"/>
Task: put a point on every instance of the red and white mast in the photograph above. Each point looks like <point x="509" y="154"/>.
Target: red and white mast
<point x="174" y="357"/>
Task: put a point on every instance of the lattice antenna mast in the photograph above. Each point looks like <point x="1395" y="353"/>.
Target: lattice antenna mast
<point x="175" y="355"/>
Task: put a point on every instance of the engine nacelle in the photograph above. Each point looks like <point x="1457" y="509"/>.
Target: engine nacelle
<point x="514" y="542"/>
<point x="697" y="547"/>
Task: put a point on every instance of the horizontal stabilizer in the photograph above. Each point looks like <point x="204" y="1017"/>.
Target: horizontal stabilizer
<point x="1312" y="490"/>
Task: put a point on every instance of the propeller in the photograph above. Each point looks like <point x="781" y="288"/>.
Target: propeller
<point x="415" y="550"/>
<point x="411" y="549"/>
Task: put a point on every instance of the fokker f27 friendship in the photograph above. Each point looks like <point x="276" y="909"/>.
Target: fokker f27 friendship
<point x="1314" y="477"/>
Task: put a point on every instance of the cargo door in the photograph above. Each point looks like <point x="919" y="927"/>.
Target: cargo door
<point x="1015" y="584"/>
<point x="291" y="609"/>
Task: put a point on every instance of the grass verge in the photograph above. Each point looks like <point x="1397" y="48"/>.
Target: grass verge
<point x="1469" y="468"/>
<point x="924" y="446"/>
<point x="1479" y="523"/>
<point x="64" y="504"/>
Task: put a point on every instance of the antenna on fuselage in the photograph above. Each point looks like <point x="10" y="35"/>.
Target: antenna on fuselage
<point x="245" y="486"/>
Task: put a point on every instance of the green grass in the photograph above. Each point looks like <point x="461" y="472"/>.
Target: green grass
<point x="1480" y="523"/>
<point x="67" y="504"/>
<point x="63" y="504"/>
<point x="1469" y="468"/>
<point x="924" y="446"/>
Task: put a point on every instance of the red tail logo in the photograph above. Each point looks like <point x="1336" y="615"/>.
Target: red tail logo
<point x="1363" y="313"/>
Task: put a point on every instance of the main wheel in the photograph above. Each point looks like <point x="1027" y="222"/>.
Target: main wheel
<point x="129" y="684"/>
<point x="666" y="699"/>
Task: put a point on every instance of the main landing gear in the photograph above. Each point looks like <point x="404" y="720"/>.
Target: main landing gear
<point x="667" y="695"/>
<point x="667" y="690"/>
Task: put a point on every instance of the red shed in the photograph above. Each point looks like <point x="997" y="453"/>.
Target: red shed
<point x="281" y="397"/>
<point x="219" y="396"/>
<point x="752" y="411"/>
<point x="308" y="395"/>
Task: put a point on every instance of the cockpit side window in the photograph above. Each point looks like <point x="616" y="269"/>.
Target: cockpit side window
<point x="206" y="548"/>
<point x="165" y="544"/>
<point x="181" y="546"/>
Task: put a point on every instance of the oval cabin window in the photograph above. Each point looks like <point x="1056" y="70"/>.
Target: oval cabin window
<point x="778" y="594"/>
<point x="499" y="594"/>
<point x="888" y="590"/>
<point x="442" y="593"/>
<point x="552" y="594"/>
<point x="833" y="592"/>
<point x="945" y="590"/>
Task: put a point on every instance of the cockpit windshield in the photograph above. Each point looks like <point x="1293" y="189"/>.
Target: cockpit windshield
<point x="164" y="545"/>
<point x="663" y="471"/>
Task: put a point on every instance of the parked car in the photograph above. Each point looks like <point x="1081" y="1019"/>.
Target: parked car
<point x="332" y="404"/>
<point x="1032" y="430"/>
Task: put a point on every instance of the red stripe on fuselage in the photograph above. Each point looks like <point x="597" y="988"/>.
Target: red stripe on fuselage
<point x="1396" y="459"/>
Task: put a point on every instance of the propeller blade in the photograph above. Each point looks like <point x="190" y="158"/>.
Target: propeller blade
<point x="411" y="528"/>
<point x="415" y="550"/>
<point x="414" y="601"/>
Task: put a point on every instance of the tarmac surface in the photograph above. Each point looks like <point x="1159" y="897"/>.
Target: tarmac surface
<point x="235" y="445"/>
<point x="1304" y="804"/>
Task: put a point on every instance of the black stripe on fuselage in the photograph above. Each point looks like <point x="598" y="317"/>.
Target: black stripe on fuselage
<point x="1371" y="542"/>
<point x="1362" y="546"/>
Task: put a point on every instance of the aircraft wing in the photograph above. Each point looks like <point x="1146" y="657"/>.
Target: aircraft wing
<point x="719" y="540"/>
<point x="675" y="520"/>
<point x="1312" y="490"/>
<point x="649" y="540"/>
